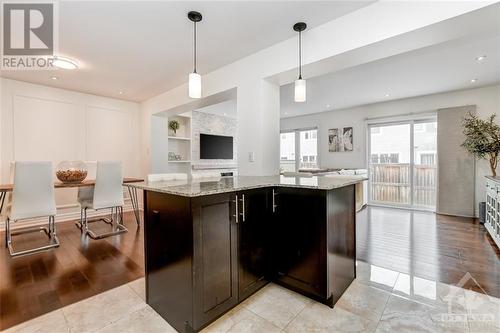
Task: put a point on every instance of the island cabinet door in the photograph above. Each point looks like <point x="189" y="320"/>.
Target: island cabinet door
<point x="215" y="256"/>
<point x="299" y="240"/>
<point x="253" y="240"/>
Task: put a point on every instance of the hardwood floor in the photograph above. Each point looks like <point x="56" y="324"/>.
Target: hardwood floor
<point x="436" y="247"/>
<point x="79" y="268"/>
<point x="422" y="244"/>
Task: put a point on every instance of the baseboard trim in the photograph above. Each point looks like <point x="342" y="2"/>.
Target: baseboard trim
<point x="63" y="217"/>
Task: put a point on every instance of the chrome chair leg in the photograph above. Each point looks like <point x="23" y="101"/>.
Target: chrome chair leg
<point x="108" y="220"/>
<point x="50" y="232"/>
<point x="132" y="191"/>
<point x="116" y="221"/>
<point x="8" y="236"/>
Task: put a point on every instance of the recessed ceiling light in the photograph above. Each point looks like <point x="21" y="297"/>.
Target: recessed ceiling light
<point x="387" y="95"/>
<point x="286" y="113"/>
<point x="225" y="114"/>
<point x="473" y="81"/>
<point x="328" y="106"/>
<point x="481" y="58"/>
<point x="64" y="63"/>
<point x="54" y="78"/>
<point x="120" y="93"/>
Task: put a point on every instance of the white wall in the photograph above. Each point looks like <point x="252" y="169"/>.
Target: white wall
<point x="43" y="123"/>
<point x="487" y="100"/>
<point x="159" y="144"/>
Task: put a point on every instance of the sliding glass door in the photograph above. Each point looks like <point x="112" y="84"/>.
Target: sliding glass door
<point x="402" y="163"/>
<point x="299" y="150"/>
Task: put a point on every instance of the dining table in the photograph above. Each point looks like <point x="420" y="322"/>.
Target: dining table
<point x="6" y="188"/>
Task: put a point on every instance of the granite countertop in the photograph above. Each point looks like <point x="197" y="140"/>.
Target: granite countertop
<point x="495" y="179"/>
<point x="195" y="188"/>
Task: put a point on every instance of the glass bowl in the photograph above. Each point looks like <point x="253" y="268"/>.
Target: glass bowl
<point x="71" y="172"/>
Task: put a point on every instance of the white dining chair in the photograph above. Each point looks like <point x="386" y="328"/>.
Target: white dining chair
<point x="206" y="175"/>
<point x="107" y="194"/>
<point x="7" y="200"/>
<point x="32" y="197"/>
<point x="86" y="193"/>
<point x="162" y="177"/>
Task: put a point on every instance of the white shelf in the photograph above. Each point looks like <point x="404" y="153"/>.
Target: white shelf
<point x="182" y="161"/>
<point x="179" y="138"/>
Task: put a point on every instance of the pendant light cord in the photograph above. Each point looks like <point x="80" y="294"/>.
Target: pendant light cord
<point x="194" y="58"/>
<point x="300" y="55"/>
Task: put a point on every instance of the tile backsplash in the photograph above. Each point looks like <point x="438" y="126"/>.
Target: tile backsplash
<point x="207" y="123"/>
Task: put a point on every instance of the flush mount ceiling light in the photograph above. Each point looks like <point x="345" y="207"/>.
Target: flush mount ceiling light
<point x="300" y="83"/>
<point x="55" y="78"/>
<point x="194" y="78"/>
<point x="481" y="58"/>
<point x="64" y="63"/>
<point x="473" y="81"/>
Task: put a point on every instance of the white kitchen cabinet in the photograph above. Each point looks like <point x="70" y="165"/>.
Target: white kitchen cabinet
<point x="492" y="223"/>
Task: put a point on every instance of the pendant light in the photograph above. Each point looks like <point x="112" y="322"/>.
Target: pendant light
<point x="194" y="78"/>
<point x="300" y="83"/>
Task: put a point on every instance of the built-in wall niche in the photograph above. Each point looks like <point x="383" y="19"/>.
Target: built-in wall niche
<point x="184" y="130"/>
<point x="179" y="150"/>
<point x="179" y="144"/>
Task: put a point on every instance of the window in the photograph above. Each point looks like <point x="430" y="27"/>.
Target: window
<point x="386" y="158"/>
<point x="428" y="159"/>
<point x="418" y="127"/>
<point x="299" y="150"/>
<point x="308" y="148"/>
<point x="394" y="158"/>
<point x="431" y="127"/>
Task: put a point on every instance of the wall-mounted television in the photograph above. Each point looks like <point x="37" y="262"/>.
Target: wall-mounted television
<point x="216" y="147"/>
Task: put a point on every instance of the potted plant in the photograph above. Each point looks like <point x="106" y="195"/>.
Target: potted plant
<point x="174" y="126"/>
<point x="482" y="139"/>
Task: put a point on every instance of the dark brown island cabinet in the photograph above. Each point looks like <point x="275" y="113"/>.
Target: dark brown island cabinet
<point x="205" y="254"/>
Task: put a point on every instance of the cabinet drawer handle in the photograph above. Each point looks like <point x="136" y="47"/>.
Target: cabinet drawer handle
<point x="242" y="208"/>
<point x="274" y="201"/>
<point x="236" y="216"/>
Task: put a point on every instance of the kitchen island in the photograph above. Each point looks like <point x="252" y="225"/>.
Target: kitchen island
<point x="211" y="244"/>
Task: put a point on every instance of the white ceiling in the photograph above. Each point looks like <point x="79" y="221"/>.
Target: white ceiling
<point x="439" y="68"/>
<point x="143" y="48"/>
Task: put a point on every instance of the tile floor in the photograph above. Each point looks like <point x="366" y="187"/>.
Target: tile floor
<point x="379" y="300"/>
